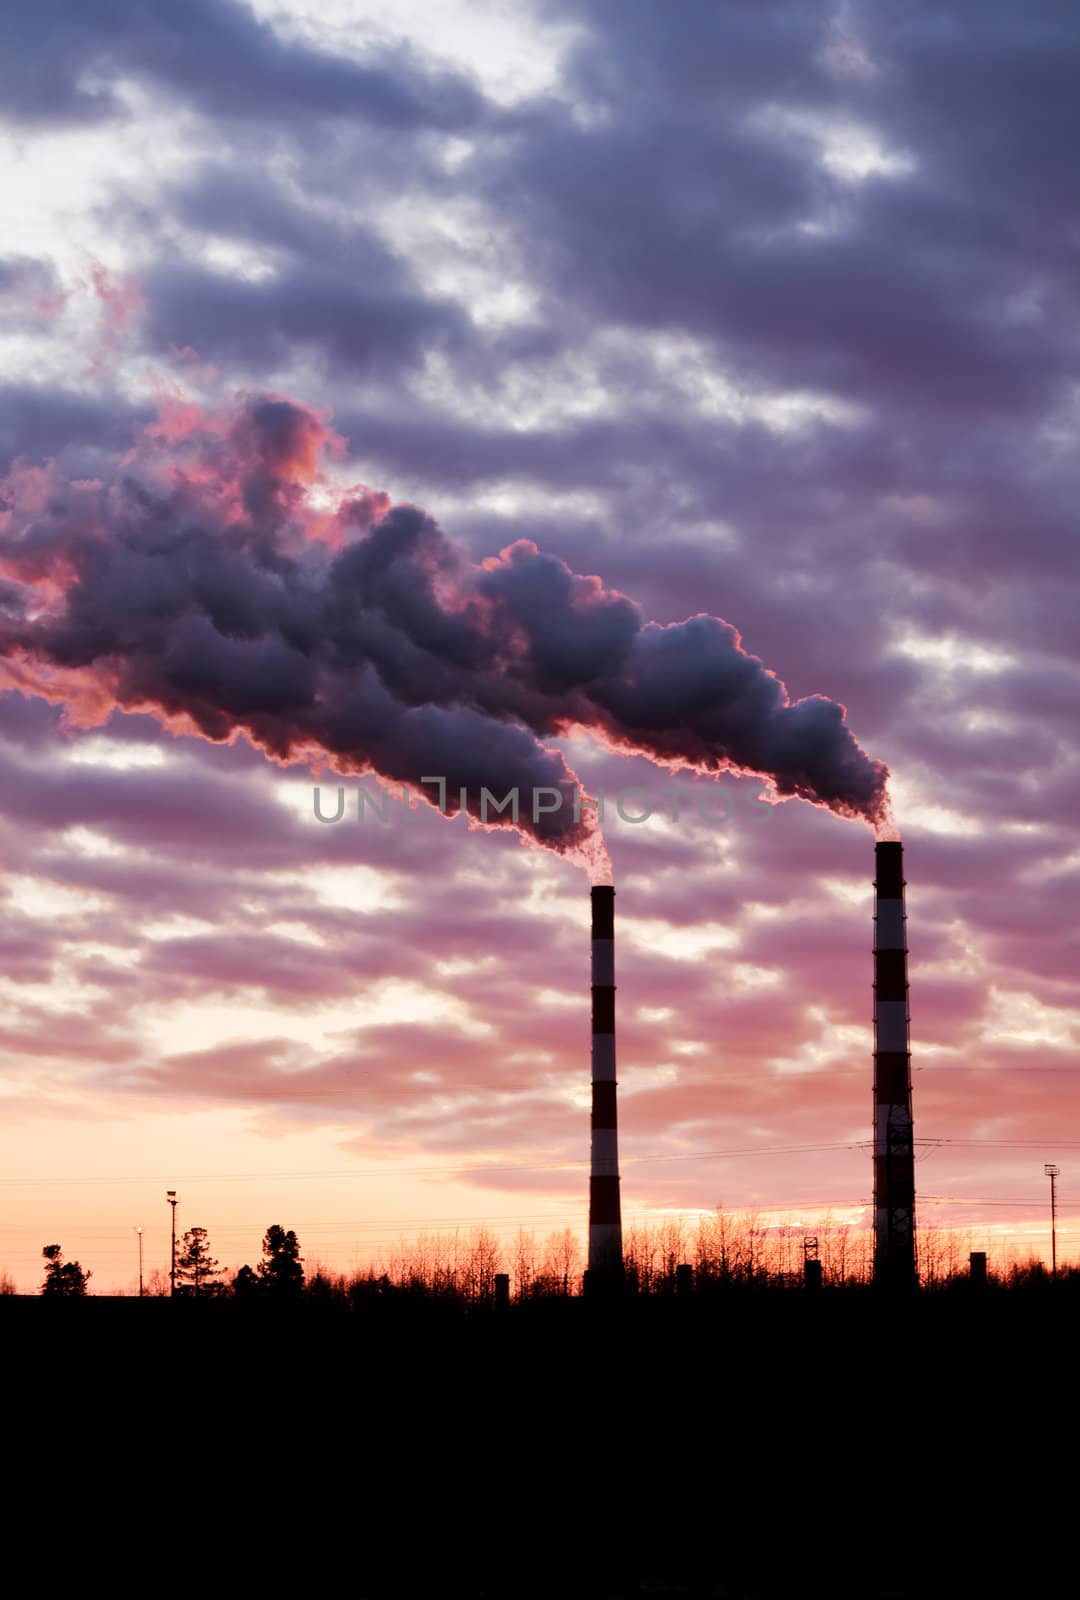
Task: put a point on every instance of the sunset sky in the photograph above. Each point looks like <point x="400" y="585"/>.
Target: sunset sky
<point x="766" y="312"/>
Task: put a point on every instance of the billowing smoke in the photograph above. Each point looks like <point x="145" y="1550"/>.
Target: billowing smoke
<point x="201" y="578"/>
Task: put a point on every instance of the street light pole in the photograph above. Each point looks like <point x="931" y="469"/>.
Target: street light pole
<point x="139" y="1232"/>
<point x="1053" y="1173"/>
<point x="170" y="1195"/>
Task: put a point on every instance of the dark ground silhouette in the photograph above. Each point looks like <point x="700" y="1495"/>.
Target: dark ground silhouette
<point x="740" y="1447"/>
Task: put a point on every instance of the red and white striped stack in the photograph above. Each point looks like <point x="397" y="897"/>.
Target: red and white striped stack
<point x="605" y="1212"/>
<point x="894" y="1149"/>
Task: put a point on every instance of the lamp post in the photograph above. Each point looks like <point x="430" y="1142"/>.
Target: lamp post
<point x="1053" y="1173"/>
<point x="170" y="1195"/>
<point x="139" y="1232"/>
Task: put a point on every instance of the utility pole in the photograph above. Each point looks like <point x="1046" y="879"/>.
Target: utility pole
<point x="811" y="1262"/>
<point x="139" y="1232"/>
<point x="170" y="1195"/>
<point x="1053" y="1174"/>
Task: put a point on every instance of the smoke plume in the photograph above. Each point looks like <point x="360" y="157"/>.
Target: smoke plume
<point x="200" y="578"/>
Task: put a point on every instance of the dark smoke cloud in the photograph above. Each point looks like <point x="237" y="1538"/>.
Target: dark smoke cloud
<point x="200" y="579"/>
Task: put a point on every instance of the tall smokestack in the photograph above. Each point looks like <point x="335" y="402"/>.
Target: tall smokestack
<point x="894" y="1148"/>
<point x="605" y="1211"/>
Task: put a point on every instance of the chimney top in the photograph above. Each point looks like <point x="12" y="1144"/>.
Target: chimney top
<point x="603" y="911"/>
<point x="889" y="878"/>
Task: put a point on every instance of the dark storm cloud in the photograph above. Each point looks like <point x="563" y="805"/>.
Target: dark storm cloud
<point x="328" y="289"/>
<point x="356" y="324"/>
<point x="990" y="93"/>
<point x="256" y="205"/>
<point x="25" y="277"/>
<point x="38" y="421"/>
<point x="674" y="208"/>
<point x="64" y="58"/>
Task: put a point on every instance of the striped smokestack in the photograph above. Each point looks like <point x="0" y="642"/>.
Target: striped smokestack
<point x="894" y="1149"/>
<point x="605" y="1212"/>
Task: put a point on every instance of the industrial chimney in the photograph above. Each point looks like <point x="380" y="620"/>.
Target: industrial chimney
<point x="605" y="1212"/>
<point x="894" y="1149"/>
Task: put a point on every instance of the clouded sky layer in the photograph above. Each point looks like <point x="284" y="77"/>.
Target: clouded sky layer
<point x="765" y="312"/>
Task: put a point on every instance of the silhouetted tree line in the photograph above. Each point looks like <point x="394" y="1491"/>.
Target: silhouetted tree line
<point x="726" y="1252"/>
<point x="278" y="1275"/>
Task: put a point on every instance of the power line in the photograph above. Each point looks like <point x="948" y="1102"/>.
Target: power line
<point x="412" y="1172"/>
<point x="393" y="1228"/>
<point x="1006" y="1144"/>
